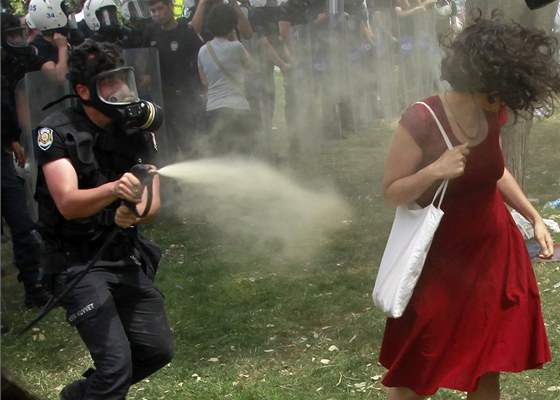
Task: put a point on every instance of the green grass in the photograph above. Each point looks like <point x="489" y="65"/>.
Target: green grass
<point x="250" y="326"/>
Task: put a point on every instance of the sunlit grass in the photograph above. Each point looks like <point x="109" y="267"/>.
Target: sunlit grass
<point x="250" y="326"/>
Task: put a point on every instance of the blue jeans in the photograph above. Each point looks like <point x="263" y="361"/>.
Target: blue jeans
<point x="16" y="215"/>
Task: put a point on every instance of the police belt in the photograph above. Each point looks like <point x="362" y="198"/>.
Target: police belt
<point x="85" y="249"/>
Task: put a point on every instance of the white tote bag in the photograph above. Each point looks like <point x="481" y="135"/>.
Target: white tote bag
<point x="407" y="247"/>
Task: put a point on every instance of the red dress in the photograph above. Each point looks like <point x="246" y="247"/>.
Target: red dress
<point x="476" y="307"/>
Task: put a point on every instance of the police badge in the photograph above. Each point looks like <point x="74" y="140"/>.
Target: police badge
<point x="44" y="138"/>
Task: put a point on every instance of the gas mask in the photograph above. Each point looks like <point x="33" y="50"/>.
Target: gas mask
<point x="114" y="94"/>
<point x="14" y="42"/>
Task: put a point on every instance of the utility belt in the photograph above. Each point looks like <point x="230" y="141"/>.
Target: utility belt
<point x="59" y="252"/>
<point x="87" y="250"/>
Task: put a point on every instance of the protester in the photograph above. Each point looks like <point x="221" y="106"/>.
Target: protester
<point x="84" y="155"/>
<point x="476" y="310"/>
<point x="222" y="63"/>
<point x="178" y="47"/>
<point x="200" y="14"/>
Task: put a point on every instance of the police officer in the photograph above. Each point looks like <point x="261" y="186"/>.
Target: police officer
<point x="17" y="57"/>
<point x="178" y="47"/>
<point x="84" y="153"/>
<point x="101" y="18"/>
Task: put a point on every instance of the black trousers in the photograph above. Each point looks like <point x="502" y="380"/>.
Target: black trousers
<point x="18" y="218"/>
<point x="120" y="316"/>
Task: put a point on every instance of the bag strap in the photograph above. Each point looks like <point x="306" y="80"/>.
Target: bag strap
<point x="443" y="187"/>
<point x="228" y="74"/>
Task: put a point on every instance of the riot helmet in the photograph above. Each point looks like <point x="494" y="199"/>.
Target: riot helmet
<point x="136" y="10"/>
<point x="29" y="22"/>
<point x="101" y="15"/>
<point x="443" y="8"/>
<point x="47" y="15"/>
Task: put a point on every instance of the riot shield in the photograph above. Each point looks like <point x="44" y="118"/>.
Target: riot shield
<point x="33" y="92"/>
<point x="428" y="55"/>
<point x="385" y="64"/>
<point x="357" y="41"/>
<point x="145" y="62"/>
<point x="299" y="91"/>
<point x="333" y="85"/>
<point x="257" y="89"/>
<point x="420" y="56"/>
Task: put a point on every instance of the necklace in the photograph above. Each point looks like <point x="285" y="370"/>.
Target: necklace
<point x="479" y="117"/>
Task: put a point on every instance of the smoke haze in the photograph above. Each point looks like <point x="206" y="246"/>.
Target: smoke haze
<point x="250" y="200"/>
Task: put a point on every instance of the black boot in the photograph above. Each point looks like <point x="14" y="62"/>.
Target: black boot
<point x="35" y="295"/>
<point x="74" y="391"/>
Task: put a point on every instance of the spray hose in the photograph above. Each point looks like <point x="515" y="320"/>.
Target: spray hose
<point x="145" y="174"/>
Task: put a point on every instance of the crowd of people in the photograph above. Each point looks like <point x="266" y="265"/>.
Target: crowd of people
<point x="212" y="71"/>
<point x="328" y="56"/>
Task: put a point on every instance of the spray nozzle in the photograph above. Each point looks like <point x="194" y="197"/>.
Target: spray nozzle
<point x="144" y="172"/>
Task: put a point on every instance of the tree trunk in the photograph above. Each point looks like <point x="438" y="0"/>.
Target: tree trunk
<point x="515" y="134"/>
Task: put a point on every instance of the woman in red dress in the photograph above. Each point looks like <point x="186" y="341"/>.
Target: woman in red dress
<point x="476" y="310"/>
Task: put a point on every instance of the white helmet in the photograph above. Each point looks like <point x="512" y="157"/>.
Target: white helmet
<point x="135" y="9"/>
<point x="47" y="14"/>
<point x="98" y="13"/>
<point x="443" y="8"/>
<point x="29" y="22"/>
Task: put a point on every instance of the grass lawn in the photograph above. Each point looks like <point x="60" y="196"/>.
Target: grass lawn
<point x="248" y="325"/>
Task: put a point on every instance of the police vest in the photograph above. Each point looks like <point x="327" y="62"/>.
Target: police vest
<point x="98" y="157"/>
<point x="178" y="8"/>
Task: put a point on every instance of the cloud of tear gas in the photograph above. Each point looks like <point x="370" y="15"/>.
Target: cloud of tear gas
<point x="250" y="200"/>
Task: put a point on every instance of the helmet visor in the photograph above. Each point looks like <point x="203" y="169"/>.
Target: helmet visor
<point x="108" y="17"/>
<point x="16" y="37"/>
<point x="138" y="9"/>
<point x="117" y="87"/>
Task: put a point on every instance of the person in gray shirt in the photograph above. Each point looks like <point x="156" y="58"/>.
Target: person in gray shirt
<point x="222" y="63"/>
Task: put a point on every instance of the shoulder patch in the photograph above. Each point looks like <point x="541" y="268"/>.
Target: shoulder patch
<point x="44" y="138"/>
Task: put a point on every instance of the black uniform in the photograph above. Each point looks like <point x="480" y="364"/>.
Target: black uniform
<point x="181" y="87"/>
<point x="14" y="209"/>
<point x="116" y="308"/>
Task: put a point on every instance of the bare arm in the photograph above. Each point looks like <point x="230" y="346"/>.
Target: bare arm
<point x="247" y="60"/>
<point x="202" y="76"/>
<point x="285" y="32"/>
<point x="197" y="21"/>
<point x="515" y="198"/>
<point x="403" y="181"/>
<point x="73" y="202"/>
<point x="57" y="71"/>
<point x="273" y="55"/>
<point x="412" y="10"/>
<point x="243" y="24"/>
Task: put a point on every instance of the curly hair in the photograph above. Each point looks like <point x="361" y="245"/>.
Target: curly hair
<point x="505" y="61"/>
<point x="90" y="59"/>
